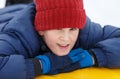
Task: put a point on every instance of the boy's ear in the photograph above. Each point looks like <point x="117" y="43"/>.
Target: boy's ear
<point x="41" y="33"/>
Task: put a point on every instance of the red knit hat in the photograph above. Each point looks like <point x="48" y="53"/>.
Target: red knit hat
<point x="55" y="14"/>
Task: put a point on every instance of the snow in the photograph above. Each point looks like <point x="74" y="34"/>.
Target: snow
<point x="2" y="3"/>
<point x="105" y="12"/>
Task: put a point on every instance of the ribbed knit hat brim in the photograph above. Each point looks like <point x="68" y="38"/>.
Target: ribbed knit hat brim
<point x="67" y="15"/>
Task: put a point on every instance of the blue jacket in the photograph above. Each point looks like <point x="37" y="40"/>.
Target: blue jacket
<point x="20" y="43"/>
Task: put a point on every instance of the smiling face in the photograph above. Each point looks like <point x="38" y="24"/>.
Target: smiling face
<point x="60" y="41"/>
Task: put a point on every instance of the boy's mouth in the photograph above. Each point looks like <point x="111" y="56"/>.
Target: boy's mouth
<point x="63" y="46"/>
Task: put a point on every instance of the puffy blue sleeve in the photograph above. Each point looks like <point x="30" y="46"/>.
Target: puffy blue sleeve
<point x="13" y="64"/>
<point x="17" y="46"/>
<point x="104" y="42"/>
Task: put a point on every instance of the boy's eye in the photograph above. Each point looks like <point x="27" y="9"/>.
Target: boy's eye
<point x="73" y="28"/>
<point x="59" y="29"/>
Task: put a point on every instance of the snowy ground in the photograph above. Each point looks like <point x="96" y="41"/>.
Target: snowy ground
<point x="2" y="3"/>
<point x="100" y="11"/>
<point x="103" y="11"/>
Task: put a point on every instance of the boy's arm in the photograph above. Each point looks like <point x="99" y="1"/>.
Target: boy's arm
<point x="103" y="42"/>
<point x="15" y="63"/>
<point x="16" y="60"/>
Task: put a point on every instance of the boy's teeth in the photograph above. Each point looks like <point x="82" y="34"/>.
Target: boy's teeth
<point x="63" y="45"/>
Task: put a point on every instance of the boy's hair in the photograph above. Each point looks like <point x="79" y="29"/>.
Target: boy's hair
<point x="55" y="14"/>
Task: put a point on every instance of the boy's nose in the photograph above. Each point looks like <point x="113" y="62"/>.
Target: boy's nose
<point x="65" y="37"/>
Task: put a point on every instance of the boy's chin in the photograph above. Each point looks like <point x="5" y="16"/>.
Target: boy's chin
<point x="62" y="54"/>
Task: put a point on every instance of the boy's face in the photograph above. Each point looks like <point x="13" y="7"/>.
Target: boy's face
<point x="60" y="41"/>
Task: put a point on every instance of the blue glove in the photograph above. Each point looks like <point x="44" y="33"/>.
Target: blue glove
<point x="52" y="64"/>
<point x="86" y="60"/>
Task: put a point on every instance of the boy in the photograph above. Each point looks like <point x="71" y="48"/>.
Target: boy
<point x="54" y="37"/>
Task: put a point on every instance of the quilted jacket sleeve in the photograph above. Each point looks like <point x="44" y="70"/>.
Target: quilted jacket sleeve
<point x="14" y="63"/>
<point x="16" y="56"/>
<point x="104" y="42"/>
